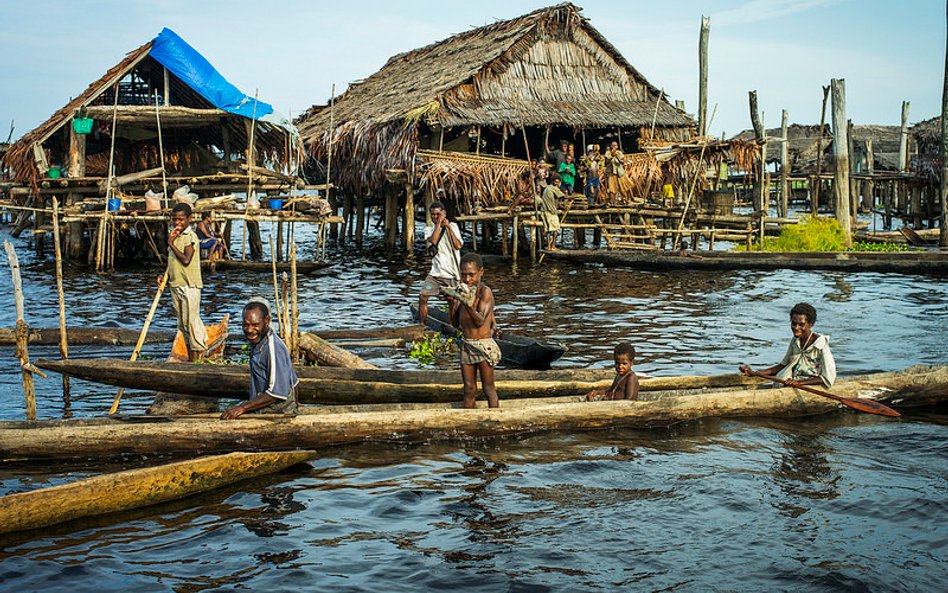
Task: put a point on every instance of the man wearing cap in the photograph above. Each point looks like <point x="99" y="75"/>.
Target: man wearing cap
<point x="272" y="378"/>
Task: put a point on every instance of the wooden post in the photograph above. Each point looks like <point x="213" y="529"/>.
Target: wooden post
<point x="391" y="217"/>
<point x="526" y="144"/>
<point x="281" y="329"/>
<point x="360" y="219"/>
<point x="100" y="245"/>
<point x="819" y="153"/>
<point x="533" y="242"/>
<point x="22" y="334"/>
<point x="703" y="75"/>
<point x="784" y="167"/>
<point x="167" y="88"/>
<point x="429" y="200"/>
<point x="161" y="150"/>
<point x="841" y="158"/>
<point x="477" y="149"/>
<point x="63" y="344"/>
<point x="503" y="237"/>
<point x="943" y="223"/>
<point x="760" y="135"/>
<point x="516" y="233"/>
<point x="76" y="168"/>
<point x="870" y="200"/>
<point x="408" y="228"/>
<point x="853" y="185"/>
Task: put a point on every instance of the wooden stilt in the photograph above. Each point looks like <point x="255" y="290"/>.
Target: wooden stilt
<point x="516" y="235"/>
<point x="360" y="219"/>
<point x="295" y="332"/>
<point x="841" y="158"/>
<point x="22" y="334"/>
<point x="63" y="344"/>
<point x="408" y="228"/>
<point x="815" y="205"/>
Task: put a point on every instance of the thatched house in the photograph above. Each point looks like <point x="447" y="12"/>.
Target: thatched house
<point x="804" y="143"/>
<point x="204" y="122"/>
<point x="498" y="93"/>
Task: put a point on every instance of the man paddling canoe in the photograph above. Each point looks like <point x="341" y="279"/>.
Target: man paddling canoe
<point x="272" y="378"/>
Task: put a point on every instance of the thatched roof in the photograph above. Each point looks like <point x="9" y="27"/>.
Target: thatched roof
<point x="481" y="77"/>
<point x="198" y="119"/>
<point x="927" y="136"/>
<point x="803" y="143"/>
<point x="547" y="68"/>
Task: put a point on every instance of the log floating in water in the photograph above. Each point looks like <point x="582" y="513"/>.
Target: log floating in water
<point x="86" y="336"/>
<point x="321" y="351"/>
<point x="102" y="437"/>
<point x="136" y="488"/>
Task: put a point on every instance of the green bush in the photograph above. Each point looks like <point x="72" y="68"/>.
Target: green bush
<point x="813" y="233"/>
<point x="431" y="348"/>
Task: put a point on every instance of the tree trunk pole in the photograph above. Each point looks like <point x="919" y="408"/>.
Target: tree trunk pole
<point x="841" y="157"/>
<point x="295" y="311"/>
<point x="784" y="166"/>
<point x="819" y="153"/>
<point x="703" y="75"/>
<point x="22" y="334"/>
<point x="760" y="135"/>
<point x="63" y="343"/>
<point x="943" y="233"/>
<point x="408" y="228"/>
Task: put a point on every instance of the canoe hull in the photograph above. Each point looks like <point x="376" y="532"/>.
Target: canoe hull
<point x="325" y="385"/>
<point x="62" y="439"/>
<point x="137" y="488"/>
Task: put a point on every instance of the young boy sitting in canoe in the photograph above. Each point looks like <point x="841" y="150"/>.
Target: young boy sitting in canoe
<point x="473" y="312"/>
<point x="808" y="360"/>
<point x="626" y="383"/>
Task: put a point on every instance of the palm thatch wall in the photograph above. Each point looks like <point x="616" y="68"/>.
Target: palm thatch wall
<point x="927" y="162"/>
<point x="804" y="145"/>
<point x="549" y="68"/>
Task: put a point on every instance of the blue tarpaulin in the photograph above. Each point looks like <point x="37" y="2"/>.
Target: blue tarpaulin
<point x="193" y="69"/>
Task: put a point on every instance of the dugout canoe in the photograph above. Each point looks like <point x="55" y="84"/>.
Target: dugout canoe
<point x="106" y="437"/>
<point x="905" y="262"/>
<point x="331" y="385"/>
<point x="136" y="488"/>
<point x="516" y="351"/>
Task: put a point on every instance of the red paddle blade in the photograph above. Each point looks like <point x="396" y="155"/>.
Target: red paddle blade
<point x="869" y="406"/>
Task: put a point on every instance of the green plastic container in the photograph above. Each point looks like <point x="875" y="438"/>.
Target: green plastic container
<point x="82" y="125"/>
<point x="54" y="172"/>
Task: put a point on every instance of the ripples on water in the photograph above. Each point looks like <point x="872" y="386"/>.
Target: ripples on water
<point x="839" y="503"/>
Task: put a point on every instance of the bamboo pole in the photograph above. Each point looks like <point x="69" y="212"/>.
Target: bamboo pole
<point x="276" y="293"/>
<point x="943" y="223"/>
<point x="22" y="334"/>
<point x="295" y="331"/>
<point x="251" y="161"/>
<point x="161" y="152"/>
<point x="703" y="75"/>
<point x="100" y="239"/>
<point x="526" y="145"/>
<point x="63" y="343"/>
<point x="841" y="157"/>
<point x="141" y="337"/>
<point x="285" y="303"/>
<point x="329" y="142"/>
<point x="819" y="153"/>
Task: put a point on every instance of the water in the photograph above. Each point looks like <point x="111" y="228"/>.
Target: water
<point x="844" y="502"/>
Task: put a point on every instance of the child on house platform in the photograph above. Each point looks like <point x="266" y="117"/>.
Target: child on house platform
<point x="567" y="173"/>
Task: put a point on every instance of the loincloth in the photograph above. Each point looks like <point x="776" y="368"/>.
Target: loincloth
<point x="478" y="351"/>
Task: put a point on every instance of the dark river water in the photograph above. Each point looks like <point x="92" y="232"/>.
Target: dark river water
<point x="842" y="502"/>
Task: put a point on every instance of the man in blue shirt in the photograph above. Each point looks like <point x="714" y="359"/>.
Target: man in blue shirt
<point x="272" y="378"/>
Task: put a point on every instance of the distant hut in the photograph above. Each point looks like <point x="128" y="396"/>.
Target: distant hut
<point x="205" y="121"/>
<point x="478" y="104"/>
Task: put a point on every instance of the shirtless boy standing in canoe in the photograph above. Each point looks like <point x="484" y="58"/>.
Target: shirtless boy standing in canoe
<point x="473" y="313"/>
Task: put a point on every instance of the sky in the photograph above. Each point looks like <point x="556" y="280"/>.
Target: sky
<point x="888" y="51"/>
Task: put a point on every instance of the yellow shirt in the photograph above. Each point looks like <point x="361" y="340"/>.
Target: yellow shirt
<point x="180" y="274"/>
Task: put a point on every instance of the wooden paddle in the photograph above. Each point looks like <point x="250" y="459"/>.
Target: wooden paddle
<point x="141" y="337"/>
<point x="863" y="405"/>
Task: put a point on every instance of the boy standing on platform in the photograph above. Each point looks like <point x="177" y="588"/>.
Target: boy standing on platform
<point x="184" y="280"/>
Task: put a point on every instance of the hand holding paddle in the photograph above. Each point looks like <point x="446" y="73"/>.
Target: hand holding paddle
<point x="863" y="405"/>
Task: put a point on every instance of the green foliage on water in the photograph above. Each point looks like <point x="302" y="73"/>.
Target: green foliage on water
<point x="432" y="348"/>
<point x="813" y="233"/>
